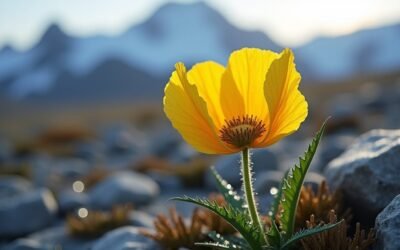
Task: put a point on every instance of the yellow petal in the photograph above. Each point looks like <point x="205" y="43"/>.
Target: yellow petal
<point x="207" y="78"/>
<point x="187" y="112"/>
<point x="287" y="106"/>
<point x="243" y="83"/>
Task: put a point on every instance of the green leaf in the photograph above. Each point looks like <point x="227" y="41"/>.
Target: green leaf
<point x="242" y="243"/>
<point x="234" y="216"/>
<point x="213" y="245"/>
<point x="292" y="185"/>
<point x="308" y="232"/>
<point x="227" y="191"/>
<point x="275" y="205"/>
<point x="274" y="236"/>
<point x="231" y="242"/>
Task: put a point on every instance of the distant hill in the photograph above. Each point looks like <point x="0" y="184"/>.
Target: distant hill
<point x="364" y="52"/>
<point x="135" y="65"/>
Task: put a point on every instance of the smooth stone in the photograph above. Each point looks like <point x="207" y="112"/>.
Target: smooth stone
<point x="166" y="182"/>
<point x="59" y="238"/>
<point x="69" y="201"/>
<point x="122" y="138"/>
<point x="25" y="244"/>
<point x="52" y="172"/>
<point x="90" y="151"/>
<point x="125" y="238"/>
<point x="121" y="188"/>
<point x="368" y="173"/>
<point x="165" y="144"/>
<point x="141" y="219"/>
<point x="13" y="185"/>
<point x="229" y="167"/>
<point x="387" y="226"/>
<point x="27" y="213"/>
<point x="183" y="153"/>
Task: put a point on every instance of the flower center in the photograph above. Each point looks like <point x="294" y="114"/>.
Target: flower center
<point x="242" y="131"/>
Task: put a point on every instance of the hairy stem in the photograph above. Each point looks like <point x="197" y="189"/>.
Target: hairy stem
<point x="249" y="192"/>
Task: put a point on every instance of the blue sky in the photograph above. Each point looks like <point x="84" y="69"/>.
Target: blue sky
<point x="288" y="22"/>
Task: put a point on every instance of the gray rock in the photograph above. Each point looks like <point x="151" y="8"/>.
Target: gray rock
<point x="25" y="244"/>
<point x="125" y="238"/>
<point x="59" y="238"/>
<point x="91" y="151"/>
<point x="123" y="139"/>
<point x="331" y="147"/>
<point x="368" y="173"/>
<point x="69" y="201"/>
<point x="50" y="172"/>
<point x="387" y="226"/>
<point x="27" y="213"/>
<point x="229" y="167"/>
<point x="165" y="144"/>
<point x="141" y="219"/>
<point x="13" y="185"/>
<point x="123" y="187"/>
<point x="167" y="182"/>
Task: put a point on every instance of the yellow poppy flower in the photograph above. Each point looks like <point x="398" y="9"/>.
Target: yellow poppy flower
<point x="252" y="103"/>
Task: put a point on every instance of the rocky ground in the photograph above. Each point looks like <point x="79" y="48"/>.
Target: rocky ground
<point x="68" y="172"/>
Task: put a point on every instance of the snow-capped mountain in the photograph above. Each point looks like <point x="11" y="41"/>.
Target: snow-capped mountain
<point x="136" y="63"/>
<point x="62" y="67"/>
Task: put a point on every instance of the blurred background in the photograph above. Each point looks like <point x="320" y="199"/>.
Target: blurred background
<point x="81" y="86"/>
<point x="78" y="62"/>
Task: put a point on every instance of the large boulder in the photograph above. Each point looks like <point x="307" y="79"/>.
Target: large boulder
<point x="125" y="238"/>
<point x="27" y="213"/>
<point x="368" y="173"/>
<point x="123" y="187"/>
<point x="387" y="226"/>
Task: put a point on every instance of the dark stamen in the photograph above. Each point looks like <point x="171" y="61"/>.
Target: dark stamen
<point x="242" y="131"/>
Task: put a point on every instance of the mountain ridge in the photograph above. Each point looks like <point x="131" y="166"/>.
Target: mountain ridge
<point x="61" y="67"/>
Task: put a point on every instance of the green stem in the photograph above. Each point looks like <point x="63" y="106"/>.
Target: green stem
<point x="249" y="192"/>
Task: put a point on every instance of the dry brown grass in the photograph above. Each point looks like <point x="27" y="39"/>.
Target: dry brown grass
<point x="173" y="233"/>
<point x="319" y="204"/>
<point x="98" y="222"/>
<point x="337" y="237"/>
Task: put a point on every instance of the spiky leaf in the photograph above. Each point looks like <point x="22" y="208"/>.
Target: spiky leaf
<point x="274" y="236"/>
<point x="242" y="243"/>
<point x="274" y="210"/>
<point x="234" y="216"/>
<point x="292" y="186"/>
<point x="308" y="232"/>
<point x="222" y="242"/>
<point x="227" y="190"/>
<point x="213" y="245"/>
